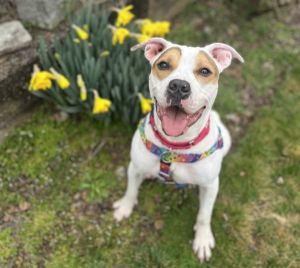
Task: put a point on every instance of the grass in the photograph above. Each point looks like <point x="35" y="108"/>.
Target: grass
<point x="58" y="179"/>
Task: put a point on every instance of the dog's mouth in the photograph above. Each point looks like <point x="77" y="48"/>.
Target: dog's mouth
<point x="175" y="120"/>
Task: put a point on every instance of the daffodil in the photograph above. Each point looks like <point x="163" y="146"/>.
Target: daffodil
<point x="124" y="15"/>
<point x="148" y="27"/>
<point x="61" y="80"/>
<point x="119" y="35"/>
<point x="81" y="33"/>
<point x="163" y="27"/>
<point x="40" y="80"/>
<point x="158" y="28"/>
<point x="101" y="105"/>
<point x="82" y="87"/>
<point x="146" y="104"/>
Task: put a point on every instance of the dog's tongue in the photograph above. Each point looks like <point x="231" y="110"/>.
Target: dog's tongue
<point x="174" y="121"/>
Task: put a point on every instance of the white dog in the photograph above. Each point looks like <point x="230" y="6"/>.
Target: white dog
<point x="182" y="141"/>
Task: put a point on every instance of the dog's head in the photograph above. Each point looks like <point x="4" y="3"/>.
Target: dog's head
<point x="184" y="81"/>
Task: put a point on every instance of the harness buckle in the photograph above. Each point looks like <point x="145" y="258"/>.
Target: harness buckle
<point x="164" y="169"/>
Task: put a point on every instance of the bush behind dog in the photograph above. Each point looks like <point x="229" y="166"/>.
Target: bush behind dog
<point x="91" y="69"/>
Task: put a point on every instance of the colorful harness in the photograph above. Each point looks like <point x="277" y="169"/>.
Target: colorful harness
<point x="167" y="157"/>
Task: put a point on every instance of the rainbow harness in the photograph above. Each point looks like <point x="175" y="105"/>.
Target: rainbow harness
<point x="167" y="157"/>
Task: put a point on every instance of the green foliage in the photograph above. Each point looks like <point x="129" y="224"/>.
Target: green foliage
<point x="118" y="76"/>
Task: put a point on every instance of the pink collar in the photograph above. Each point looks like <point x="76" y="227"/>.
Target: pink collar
<point x="179" y="145"/>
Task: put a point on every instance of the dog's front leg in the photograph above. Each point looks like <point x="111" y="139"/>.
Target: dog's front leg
<point x="124" y="206"/>
<point x="204" y="240"/>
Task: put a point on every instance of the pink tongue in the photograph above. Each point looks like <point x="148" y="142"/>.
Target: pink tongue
<point x="174" y="122"/>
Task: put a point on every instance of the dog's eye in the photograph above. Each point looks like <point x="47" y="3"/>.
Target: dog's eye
<point x="163" y="65"/>
<point x="204" y="72"/>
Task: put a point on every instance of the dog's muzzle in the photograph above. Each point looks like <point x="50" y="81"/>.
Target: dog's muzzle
<point x="178" y="90"/>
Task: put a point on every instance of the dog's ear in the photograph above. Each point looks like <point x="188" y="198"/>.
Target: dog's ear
<point x="153" y="47"/>
<point x="223" y="54"/>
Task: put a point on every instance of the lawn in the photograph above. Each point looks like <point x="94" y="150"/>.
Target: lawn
<point x="58" y="179"/>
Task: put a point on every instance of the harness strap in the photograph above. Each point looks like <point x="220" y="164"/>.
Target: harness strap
<point x="167" y="157"/>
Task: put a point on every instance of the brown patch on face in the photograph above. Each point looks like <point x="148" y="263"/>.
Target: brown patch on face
<point x="204" y="61"/>
<point x="171" y="57"/>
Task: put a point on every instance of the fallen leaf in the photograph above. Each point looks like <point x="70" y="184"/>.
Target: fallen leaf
<point x="225" y="217"/>
<point x="24" y="206"/>
<point x="280" y="180"/>
<point x="158" y="224"/>
<point x="120" y="172"/>
<point x="7" y="218"/>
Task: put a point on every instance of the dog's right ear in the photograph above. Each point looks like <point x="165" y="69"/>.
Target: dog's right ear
<point x="153" y="47"/>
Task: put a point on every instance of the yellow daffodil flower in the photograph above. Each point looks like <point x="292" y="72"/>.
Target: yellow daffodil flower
<point x="158" y="28"/>
<point x="146" y="104"/>
<point x="105" y="53"/>
<point x="101" y="105"/>
<point x="61" y="80"/>
<point x="163" y="27"/>
<point x="82" y="34"/>
<point x="148" y="28"/>
<point x="119" y="35"/>
<point x="40" y="80"/>
<point x="124" y="16"/>
<point x="82" y="87"/>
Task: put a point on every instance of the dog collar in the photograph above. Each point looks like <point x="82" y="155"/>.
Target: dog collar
<point x="167" y="157"/>
<point x="179" y="145"/>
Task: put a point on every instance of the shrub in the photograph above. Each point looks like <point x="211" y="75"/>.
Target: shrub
<point x="92" y="70"/>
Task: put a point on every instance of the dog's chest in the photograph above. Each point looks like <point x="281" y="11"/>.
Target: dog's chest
<point x="201" y="172"/>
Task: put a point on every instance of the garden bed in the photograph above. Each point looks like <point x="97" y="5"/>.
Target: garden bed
<point x="58" y="179"/>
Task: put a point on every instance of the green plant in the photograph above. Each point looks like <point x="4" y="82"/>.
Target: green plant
<point x="96" y="61"/>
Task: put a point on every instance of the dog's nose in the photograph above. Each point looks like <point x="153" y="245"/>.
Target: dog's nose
<point x="180" y="87"/>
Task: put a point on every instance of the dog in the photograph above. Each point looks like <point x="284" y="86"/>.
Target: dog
<point x="182" y="140"/>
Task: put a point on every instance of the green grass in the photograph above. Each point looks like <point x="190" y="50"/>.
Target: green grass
<point x="66" y="173"/>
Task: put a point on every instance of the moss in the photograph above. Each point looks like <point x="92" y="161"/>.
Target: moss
<point x="35" y="232"/>
<point x="63" y="257"/>
<point x="7" y="245"/>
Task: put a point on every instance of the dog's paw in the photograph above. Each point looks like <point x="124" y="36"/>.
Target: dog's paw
<point x="204" y="242"/>
<point x="123" y="208"/>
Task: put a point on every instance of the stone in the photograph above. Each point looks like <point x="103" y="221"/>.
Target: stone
<point x="13" y="36"/>
<point x="41" y="13"/>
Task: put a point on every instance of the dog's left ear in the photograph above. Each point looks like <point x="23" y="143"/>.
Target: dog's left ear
<point x="223" y="54"/>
